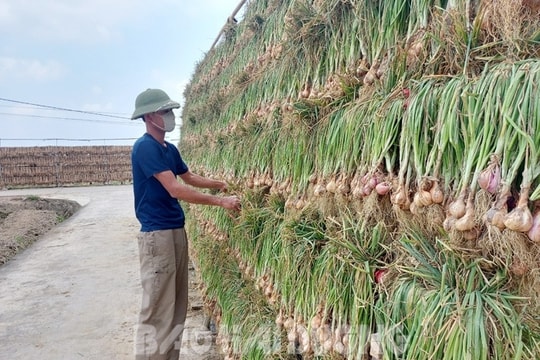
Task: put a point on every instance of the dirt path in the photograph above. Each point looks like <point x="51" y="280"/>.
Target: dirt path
<point x="75" y="293"/>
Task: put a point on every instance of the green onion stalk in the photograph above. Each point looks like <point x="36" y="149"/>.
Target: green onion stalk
<point x="520" y="218"/>
<point x="534" y="130"/>
<point x="511" y="145"/>
<point x="447" y="307"/>
<point x="400" y="197"/>
<point x="479" y="140"/>
<point x="461" y="135"/>
<point x="380" y="132"/>
<point x="422" y="131"/>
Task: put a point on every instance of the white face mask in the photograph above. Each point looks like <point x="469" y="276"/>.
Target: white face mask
<point x="168" y="121"/>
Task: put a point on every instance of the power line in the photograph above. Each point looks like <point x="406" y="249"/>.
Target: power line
<point x="63" y="109"/>
<point x="65" y="139"/>
<point x="130" y="123"/>
<point x="8" y="106"/>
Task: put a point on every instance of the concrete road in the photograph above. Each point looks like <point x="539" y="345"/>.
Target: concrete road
<point x="75" y="294"/>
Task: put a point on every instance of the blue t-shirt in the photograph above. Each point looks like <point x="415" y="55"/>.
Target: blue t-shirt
<point x="154" y="207"/>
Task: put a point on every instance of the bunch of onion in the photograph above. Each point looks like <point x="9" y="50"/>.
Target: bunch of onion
<point x="408" y="143"/>
<point x="428" y="193"/>
<point x="516" y="146"/>
<point x="520" y="218"/>
<point x="462" y="214"/>
<point x="479" y="138"/>
<point x="368" y="182"/>
<point x="386" y="129"/>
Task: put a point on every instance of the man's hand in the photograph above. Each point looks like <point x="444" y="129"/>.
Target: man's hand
<point x="231" y="203"/>
<point x="223" y="187"/>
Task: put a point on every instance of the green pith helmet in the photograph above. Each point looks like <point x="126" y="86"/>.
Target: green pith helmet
<point x="152" y="100"/>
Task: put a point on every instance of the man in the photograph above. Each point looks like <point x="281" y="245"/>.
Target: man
<point x="163" y="249"/>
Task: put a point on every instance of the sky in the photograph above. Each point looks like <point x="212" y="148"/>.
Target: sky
<point x="94" y="57"/>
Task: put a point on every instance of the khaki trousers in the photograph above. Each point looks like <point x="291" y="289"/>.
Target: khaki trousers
<point x="164" y="276"/>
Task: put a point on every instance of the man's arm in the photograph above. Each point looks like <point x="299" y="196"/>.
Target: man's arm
<point x="190" y="195"/>
<point x="202" y="182"/>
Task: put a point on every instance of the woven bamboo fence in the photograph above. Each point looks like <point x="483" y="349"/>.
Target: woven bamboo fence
<point x="54" y="166"/>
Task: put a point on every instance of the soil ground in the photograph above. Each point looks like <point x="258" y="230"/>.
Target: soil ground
<point x="66" y="293"/>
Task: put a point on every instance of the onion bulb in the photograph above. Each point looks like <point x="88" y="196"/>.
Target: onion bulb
<point x="324" y="333"/>
<point x="331" y="187"/>
<point x="382" y="188"/>
<point x="490" y="178"/>
<point x="366" y="190"/>
<point x="534" y="231"/>
<point x="370" y="77"/>
<point x="437" y="195"/>
<point x="372" y="182"/>
<point x="319" y="189"/>
<point x="289" y="322"/>
<point x="520" y="218"/>
<point x="340" y="348"/>
<point x="306" y="91"/>
<point x="400" y="197"/>
<point x="316" y="322"/>
<point x="496" y="217"/>
<point x="289" y="203"/>
<point x="466" y="222"/>
<point x="424" y="197"/>
<point x="458" y="208"/>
